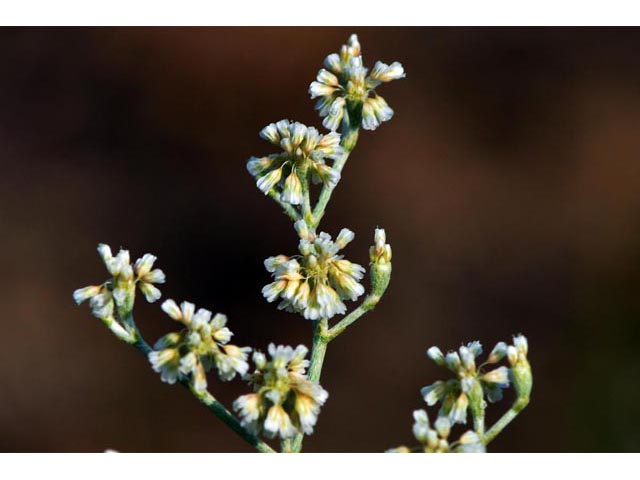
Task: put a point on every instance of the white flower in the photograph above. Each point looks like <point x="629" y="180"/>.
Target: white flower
<point x="343" y="86"/>
<point x="435" y="439"/>
<point x="375" y="111"/>
<point x="457" y="393"/>
<point x="82" y="294"/>
<point x="435" y="354"/>
<point x="382" y="72"/>
<point x="232" y="360"/>
<point x="146" y="277"/>
<point x="304" y="149"/>
<point x="498" y="352"/>
<point x="292" y="191"/>
<point x="166" y="363"/>
<point x="248" y="407"/>
<point x="284" y="401"/>
<point x="316" y="284"/>
<point x="202" y="345"/>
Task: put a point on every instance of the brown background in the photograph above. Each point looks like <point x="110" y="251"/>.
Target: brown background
<point x="508" y="182"/>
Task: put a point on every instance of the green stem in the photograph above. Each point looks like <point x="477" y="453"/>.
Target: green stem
<point x="367" y="305"/>
<point x="505" y="420"/>
<point x="227" y="417"/>
<point x="349" y="139"/>
<point x="318" y="352"/>
<point x="478" y="424"/>
<point x="306" y="195"/>
<point x="218" y="409"/>
<point x="288" y="209"/>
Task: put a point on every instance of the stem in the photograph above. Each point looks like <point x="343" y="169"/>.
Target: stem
<point x="306" y="196"/>
<point x="349" y="139"/>
<point x="367" y="305"/>
<point x="478" y="423"/>
<point x="227" y="417"/>
<point x="505" y="420"/>
<point x="288" y="209"/>
<point x="205" y="397"/>
<point x="318" y="352"/>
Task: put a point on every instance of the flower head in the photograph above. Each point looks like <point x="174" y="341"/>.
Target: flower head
<point x="344" y="88"/>
<point x="118" y="292"/>
<point x="316" y="282"/>
<point x="201" y="346"/>
<point x="469" y="384"/>
<point x="305" y="153"/>
<point x="284" y="401"/>
<point x="435" y="438"/>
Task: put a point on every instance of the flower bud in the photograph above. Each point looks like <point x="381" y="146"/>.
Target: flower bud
<point x="380" y="255"/>
<point x="522" y="380"/>
<point x="498" y="353"/>
<point x="435" y="354"/>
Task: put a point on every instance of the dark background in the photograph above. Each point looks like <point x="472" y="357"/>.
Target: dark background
<point x="508" y="183"/>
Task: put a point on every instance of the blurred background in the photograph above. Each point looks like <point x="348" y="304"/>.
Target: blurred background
<point x="508" y="183"/>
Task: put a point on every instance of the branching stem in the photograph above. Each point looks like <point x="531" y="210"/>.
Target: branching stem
<point x="505" y="420"/>
<point x="318" y="352"/>
<point x="367" y="305"/>
<point x="291" y="212"/>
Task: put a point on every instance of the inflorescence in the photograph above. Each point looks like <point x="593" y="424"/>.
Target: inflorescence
<point x="286" y="395"/>
<point x="304" y="151"/>
<point x="284" y="402"/>
<point x="201" y="346"/>
<point x="316" y="282"/>
<point x="345" y="90"/>
<point x="469" y="388"/>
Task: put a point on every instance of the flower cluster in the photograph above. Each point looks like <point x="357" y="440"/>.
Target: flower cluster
<point x="202" y="345"/>
<point x="119" y="292"/>
<point x="305" y="151"/>
<point x="469" y="384"/>
<point x="284" y="402"/>
<point x="346" y="90"/>
<point x="316" y="282"/>
<point x="435" y="439"/>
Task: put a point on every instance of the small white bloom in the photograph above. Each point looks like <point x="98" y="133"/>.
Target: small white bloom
<point x="150" y="292"/>
<point x="278" y="422"/>
<point x="453" y="362"/>
<point x="467" y="358"/>
<point x="167" y="363"/>
<point x="292" y="191"/>
<point x="317" y="89"/>
<point x="435" y="354"/>
<point x="333" y="63"/>
<point x="82" y="294"/>
<point x="499" y="376"/>
<point x="271" y="134"/>
<point x="382" y="72"/>
<point x="334" y="113"/>
<point x="433" y="393"/>
<point x="268" y="181"/>
<point x="171" y="308"/>
<point x="498" y="352"/>
<point x="459" y="411"/>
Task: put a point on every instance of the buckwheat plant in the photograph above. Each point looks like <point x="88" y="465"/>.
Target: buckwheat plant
<point x="317" y="283"/>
